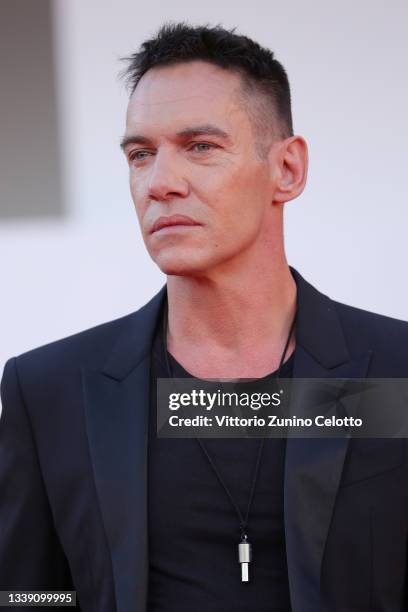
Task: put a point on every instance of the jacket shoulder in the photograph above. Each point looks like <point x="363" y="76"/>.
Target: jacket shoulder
<point x="91" y="347"/>
<point x="370" y="321"/>
<point x="385" y="336"/>
<point x="55" y="367"/>
<point x="88" y="347"/>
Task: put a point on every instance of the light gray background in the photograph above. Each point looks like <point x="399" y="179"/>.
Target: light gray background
<point x="85" y="263"/>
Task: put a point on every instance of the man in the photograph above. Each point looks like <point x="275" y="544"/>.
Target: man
<point x="91" y="498"/>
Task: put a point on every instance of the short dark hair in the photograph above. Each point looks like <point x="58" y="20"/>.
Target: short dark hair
<point x="260" y="72"/>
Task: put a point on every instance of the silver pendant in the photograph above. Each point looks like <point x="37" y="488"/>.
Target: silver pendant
<point x="244" y="557"/>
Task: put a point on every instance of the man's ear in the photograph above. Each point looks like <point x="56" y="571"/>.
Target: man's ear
<point x="292" y="164"/>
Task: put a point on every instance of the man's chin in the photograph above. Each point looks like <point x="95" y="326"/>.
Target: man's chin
<point x="179" y="266"/>
<point x="179" y="270"/>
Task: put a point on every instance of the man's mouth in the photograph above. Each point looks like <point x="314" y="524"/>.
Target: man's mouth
<point x="172" y="221"/>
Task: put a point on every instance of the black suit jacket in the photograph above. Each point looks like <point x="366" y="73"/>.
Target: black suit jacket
<point x="73" y="468"/>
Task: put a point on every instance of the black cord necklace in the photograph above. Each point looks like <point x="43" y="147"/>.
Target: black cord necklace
<point x="244" y="547"/>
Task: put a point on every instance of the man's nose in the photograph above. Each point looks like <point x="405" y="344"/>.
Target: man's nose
<point x="166" y="180"/>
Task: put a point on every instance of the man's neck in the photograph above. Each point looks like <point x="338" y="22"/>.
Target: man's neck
<point x="231" y="327"/>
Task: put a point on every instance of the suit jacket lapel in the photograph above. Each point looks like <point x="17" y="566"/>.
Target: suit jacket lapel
<point x="313" y="467"/>
<point x="116" y="407"/>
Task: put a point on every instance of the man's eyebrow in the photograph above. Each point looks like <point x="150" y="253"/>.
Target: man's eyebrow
<point x="188" y="132"/>
<point x="204" y="130"/>
<point x="135" y="138"/>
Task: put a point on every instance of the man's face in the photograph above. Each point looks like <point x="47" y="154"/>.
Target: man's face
<point x="193" y="163"/>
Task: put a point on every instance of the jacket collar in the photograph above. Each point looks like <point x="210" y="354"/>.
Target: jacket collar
<point x="318" y="329"/>
<point x="135" y="341"/>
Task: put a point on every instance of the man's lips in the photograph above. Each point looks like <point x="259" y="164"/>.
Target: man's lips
<point x="172" y="220"/>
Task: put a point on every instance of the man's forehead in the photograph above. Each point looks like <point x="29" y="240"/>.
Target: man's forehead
<point x="172" y="98"/>
<point x="196" y="88"/>
<point x="194" y="78"/>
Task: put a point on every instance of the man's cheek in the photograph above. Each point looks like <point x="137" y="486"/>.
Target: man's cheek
<point x="138" y="184"/>
<point x="139" y="213"/>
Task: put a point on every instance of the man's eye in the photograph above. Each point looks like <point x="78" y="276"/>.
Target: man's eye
<point x="202" y="147"/>
<point x="139" y="155"/>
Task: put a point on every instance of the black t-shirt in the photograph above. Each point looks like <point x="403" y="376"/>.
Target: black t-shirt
<point x="193" y="528"/>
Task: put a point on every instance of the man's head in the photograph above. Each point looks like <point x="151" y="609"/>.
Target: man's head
<point x="209" y="136"/>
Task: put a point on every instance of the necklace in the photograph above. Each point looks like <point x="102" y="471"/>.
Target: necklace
<point x="244" y="546"/>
